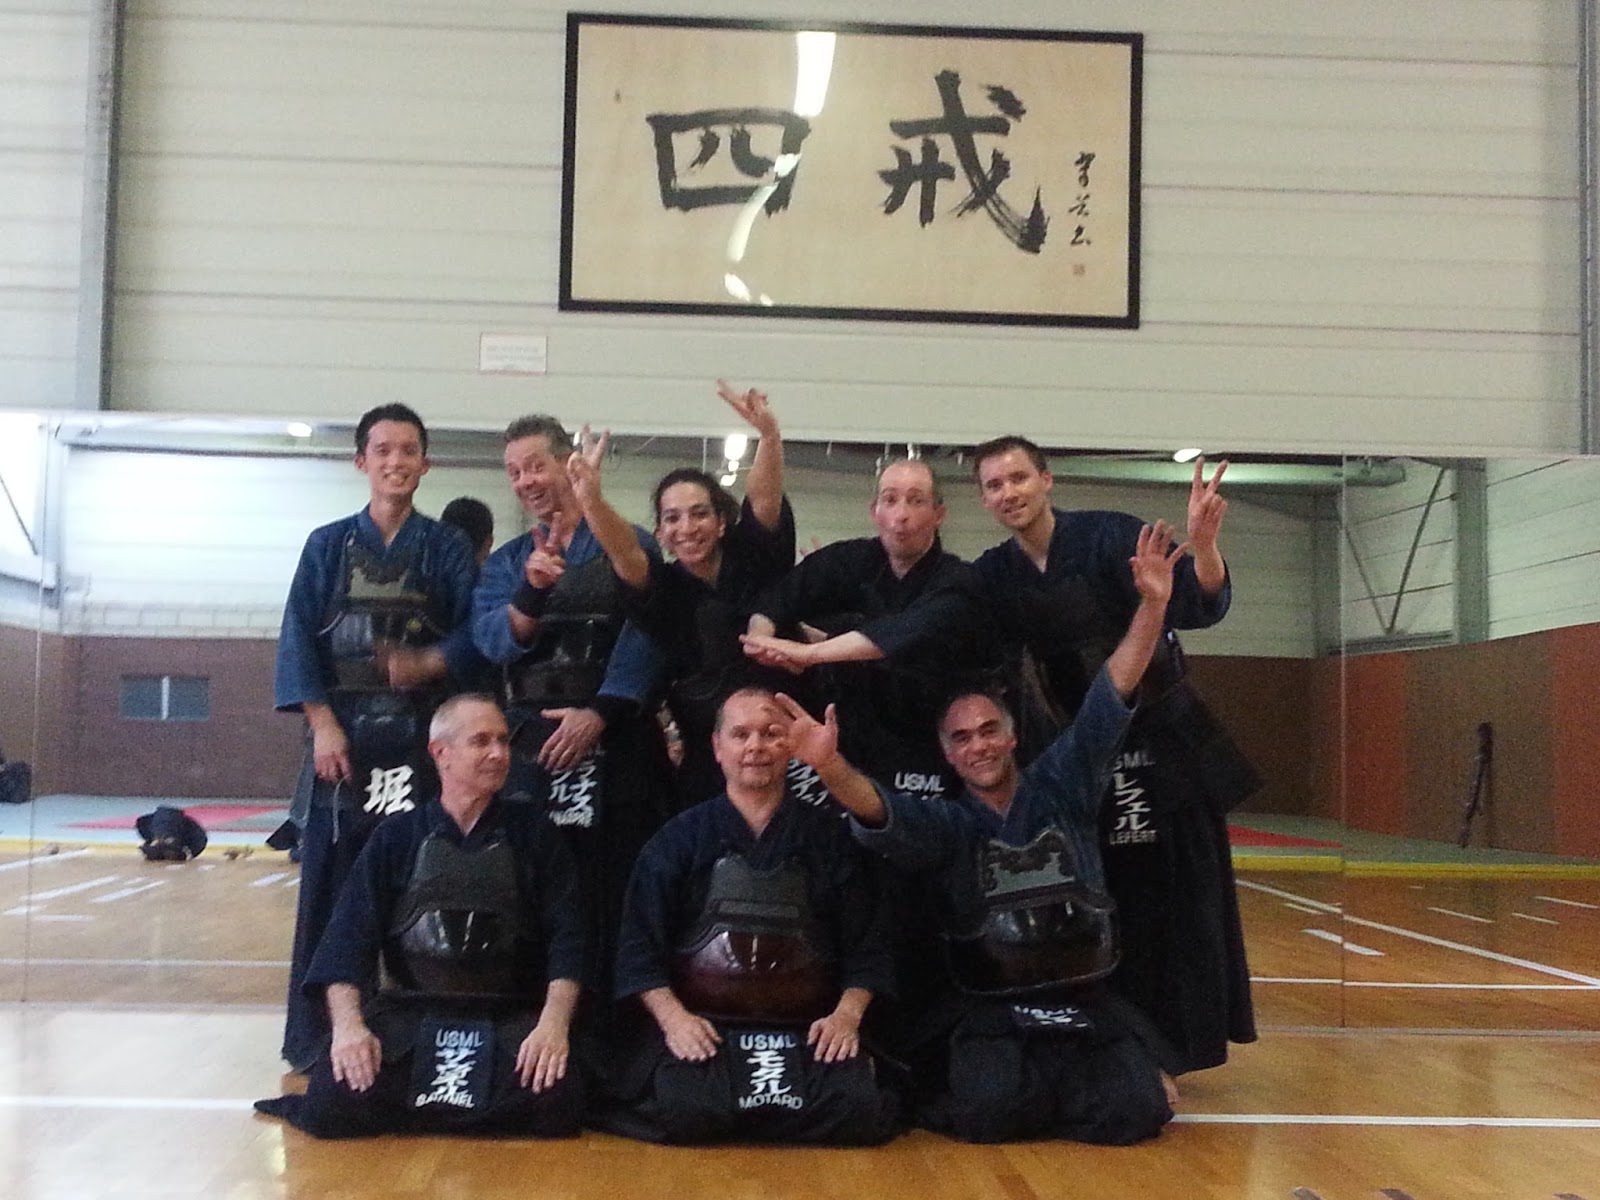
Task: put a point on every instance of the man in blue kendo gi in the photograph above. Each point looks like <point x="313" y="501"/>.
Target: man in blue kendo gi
<point x="1061" y="589"/>
<point x="754" y="936"/>
<point x="374" y="636"/>
<point x="1025" y="1041"/>
<point x="450" y="967"/>
<point x="580" y="683"/>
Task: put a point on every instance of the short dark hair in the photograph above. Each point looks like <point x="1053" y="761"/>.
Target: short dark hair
<point x="388" y="412"/>
<point x="1004" y="445"/>
<point x="472" y="517"/>
<point x="540" y="425"/>
<point x="933" y="476"/>
<point x="727" y="507"/>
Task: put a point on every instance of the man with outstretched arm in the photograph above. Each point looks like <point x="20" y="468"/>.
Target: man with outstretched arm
<point x="450" y="967"/>
<point x="1061" y="589"/>
<point x="1024" y="1043"/>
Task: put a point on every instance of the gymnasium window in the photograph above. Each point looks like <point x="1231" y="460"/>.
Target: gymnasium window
<point x="166" y="698"/>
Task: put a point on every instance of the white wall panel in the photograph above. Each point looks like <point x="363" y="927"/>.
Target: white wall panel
<point x="1544" y="555"/>
<point x="1360" y="234"/>
<point x="44" y="55"/>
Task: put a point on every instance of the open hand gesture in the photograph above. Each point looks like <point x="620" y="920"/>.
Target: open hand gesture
<point x="813" y="742"/>
<point x="1153" y="560"/>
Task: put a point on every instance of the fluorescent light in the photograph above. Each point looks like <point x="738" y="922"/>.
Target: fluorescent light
<point x="734" y="446"/>
<point x="1187" y="455"/>
<point x="736" y="287"/>
<point x="298" y="429"/>
<point x="813" y="53"/>
<point x="727" y="480"/>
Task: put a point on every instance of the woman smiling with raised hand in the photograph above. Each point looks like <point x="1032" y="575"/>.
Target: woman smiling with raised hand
<point x="723" y="554"/>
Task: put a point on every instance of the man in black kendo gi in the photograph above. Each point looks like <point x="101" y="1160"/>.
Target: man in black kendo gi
<point x="580" y="683"/>
<point x="1024" y="1041"/>
<point x="907" y="625"/>
<point x="450" y="968"/>
<point x="374" y="635"/>
<point x="1063" y="592"/>
<point x="754" y="937"/>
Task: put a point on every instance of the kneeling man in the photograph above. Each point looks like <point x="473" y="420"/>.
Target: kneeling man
<point x="1026" y="1042"/>
<point x="450" y="966"/>
<point x="753" y="935"/>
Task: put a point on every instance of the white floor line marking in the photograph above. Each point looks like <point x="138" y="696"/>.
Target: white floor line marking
<point x="1362" y="1119"/>
<point x="1491" y="955"/>
<point x="39" y="860"/>
<point x="21" y="910"/>
<point x="295" y="882"/>
<point x="124" y="893"/>
<point x="1541" y="920"/>
<point x="35" y="897"/>
<point x="1318" y="905"/>
<point x="1339" y="941"/>
<point x="134" y="1102"/>
<point x="1450" y="912"/>
<point x="1481" y="987"/>
<point x="224" y="1104"/>
<point x="269" y="880"/>
<point x="60" y="917"/>
<point x="1305" y="908"/>
<point x="1573" y="903"/>
<point x="1443" y="987"/>
<point x="144" y="962"/>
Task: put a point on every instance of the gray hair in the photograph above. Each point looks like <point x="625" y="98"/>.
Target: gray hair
<point x="933" y="478"/>
<point x="446" y="721"/>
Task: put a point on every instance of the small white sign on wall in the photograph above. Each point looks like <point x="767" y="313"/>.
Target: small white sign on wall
<point x="511" y="353"/>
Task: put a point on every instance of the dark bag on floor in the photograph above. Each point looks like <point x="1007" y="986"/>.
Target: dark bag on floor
<point x="16" y="782"/>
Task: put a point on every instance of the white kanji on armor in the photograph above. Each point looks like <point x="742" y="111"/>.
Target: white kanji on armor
<point x="769" y="1063"/>
<point x="572" y="794"/>
<point x="1132" y="811"/>
<point x="805" y="784"/>
<point x="389" y="792"/>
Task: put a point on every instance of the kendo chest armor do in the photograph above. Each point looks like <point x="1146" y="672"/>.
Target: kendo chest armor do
<point x="755" y="954"/>
<point x="380" y="603"/>
<point x="1038" y="926"/>
<point x="457" y="930"/>
<point x="566" y="662"/>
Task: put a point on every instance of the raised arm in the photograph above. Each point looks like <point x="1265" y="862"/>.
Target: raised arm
<point x="764" y="483"/>
<point x="1152" y="564"/>
<point x="610" y="528"/>
<point x="1206" y="510"/>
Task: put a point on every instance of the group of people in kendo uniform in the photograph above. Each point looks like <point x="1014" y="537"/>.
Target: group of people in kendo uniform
<point x="945" y="842"/>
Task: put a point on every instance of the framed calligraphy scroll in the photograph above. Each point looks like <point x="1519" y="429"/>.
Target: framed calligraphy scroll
<point x="866" y="171"/>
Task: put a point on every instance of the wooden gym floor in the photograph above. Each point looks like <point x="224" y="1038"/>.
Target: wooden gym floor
<point x="152" y="1022"/>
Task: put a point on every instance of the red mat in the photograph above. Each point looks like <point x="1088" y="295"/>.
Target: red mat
<point x="215" y="817"/>
<point x="1239" y="836"/>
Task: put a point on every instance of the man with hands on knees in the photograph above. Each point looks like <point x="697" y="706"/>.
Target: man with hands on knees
<point x="1024" y="1041"/>
<point x="450" y="968"/>
<point x="754" y="939"/>
<point x="579" y="679"/>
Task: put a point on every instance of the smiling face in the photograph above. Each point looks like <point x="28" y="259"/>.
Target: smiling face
<point x="1013" y="489"/>
<point x="393" y="460"/>
<point x="538" y="476"/>
<point x="906" y="511"/>
<point x="978" y="740"/>
<point x="689" y="527"/>
<point x="474" y="755"/>
<point x="750" y="744"/>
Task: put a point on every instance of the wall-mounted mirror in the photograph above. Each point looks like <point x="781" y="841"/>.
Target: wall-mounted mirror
<point x="173" y="542"/>
<point x="141" y="643"/>
<point x="1472" y="889"/>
